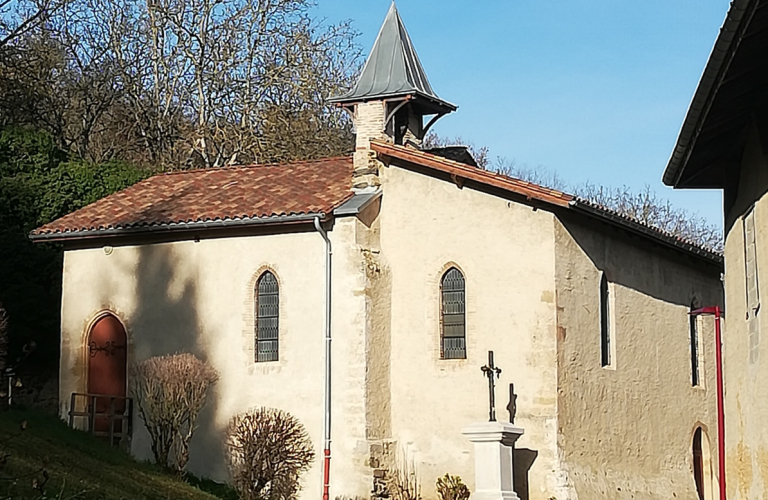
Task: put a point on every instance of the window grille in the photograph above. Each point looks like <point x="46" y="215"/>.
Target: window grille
<point x="453" y="309"/>
<point x="605" y="322"/>
<point x="267" y="317"/>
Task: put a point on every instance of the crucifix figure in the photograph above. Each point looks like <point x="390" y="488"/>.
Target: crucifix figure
<point x="492" y="372"/>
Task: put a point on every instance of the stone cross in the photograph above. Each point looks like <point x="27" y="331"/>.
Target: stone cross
<point x="492" y="372"/>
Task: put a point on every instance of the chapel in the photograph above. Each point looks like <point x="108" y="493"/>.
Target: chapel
<point x="363" y="293"/>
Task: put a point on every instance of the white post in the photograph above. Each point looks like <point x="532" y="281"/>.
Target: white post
<point x="494" y="443"/>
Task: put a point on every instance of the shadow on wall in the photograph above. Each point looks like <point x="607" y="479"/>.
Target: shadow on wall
<point x="623" y="258"/>
<point x="166" y="321"/>
<point x="523" y="459"/>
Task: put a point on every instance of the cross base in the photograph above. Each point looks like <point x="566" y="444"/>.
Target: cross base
<point x="494" y="468"/>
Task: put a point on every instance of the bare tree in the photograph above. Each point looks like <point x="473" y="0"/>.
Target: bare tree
<point x="268" y="450"/>
<point x="647" y="208"/>
<point x="170" y="392"/>
<point x="20" y="17"/>
<point x="209" y="80"/>
<point x="178" y="83"/>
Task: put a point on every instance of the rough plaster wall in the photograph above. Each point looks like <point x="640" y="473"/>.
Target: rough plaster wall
<point x="506" y="252"/>
<point x="197" y="297"/>
<point x="746" y="394"/>
<point x="625" y="432"/>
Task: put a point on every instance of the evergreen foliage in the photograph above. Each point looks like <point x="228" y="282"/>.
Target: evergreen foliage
<point x="39" y="182"/>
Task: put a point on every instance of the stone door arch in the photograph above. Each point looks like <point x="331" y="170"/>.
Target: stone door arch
<point x="702" y="465"/>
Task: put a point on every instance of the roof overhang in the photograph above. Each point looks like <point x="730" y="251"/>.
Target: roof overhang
<point x="732" y="88"/>
<point x="173" y="227"/>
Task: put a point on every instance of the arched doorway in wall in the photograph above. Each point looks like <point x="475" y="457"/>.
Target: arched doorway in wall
<point x="702" y="465"/>
<point x="107" y="368"/>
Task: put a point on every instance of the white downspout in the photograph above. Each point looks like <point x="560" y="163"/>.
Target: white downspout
<point x="327" y="414"/>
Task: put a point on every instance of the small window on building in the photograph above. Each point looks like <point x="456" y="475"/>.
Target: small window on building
<point x="605" y="321"/>
<point x="693" y="331"/>
<point x="267" y="317"/>
<point x="750" y="264"/>
<point x="453" y="312"/>
<point x="752" y="284"/>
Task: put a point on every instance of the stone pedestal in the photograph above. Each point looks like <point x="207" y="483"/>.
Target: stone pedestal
<point x="494" y="442"/>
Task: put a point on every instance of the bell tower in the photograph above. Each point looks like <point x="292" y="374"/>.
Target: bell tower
<point x="392" y="100"/>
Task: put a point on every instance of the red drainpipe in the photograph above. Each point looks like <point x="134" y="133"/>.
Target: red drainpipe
<point x="715" y="310"/>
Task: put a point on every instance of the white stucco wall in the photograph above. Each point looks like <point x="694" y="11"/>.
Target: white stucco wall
<point x="506" y="252"/>
<point x="198" y="297"/>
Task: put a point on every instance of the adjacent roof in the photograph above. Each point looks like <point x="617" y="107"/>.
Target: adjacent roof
<point x="733" y="86"/>
<point x="393" y="68"/>
<point x="457" y="153"/>
<point x="231" y="196"/>
<point x="461" y="173"/>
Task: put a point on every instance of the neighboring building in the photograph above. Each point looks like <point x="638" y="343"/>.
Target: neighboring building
<point x="435" y="262"/>
<point x="723" y="144"/>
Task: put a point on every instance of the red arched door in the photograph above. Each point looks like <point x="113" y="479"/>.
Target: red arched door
<point x="107" y="367"/>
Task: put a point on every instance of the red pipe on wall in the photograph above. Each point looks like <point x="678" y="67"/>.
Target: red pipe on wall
<point x="326" y="474"/>
<point x="715" y="310"/>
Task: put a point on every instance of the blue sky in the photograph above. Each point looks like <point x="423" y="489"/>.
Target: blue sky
<point x="595" y="90"/>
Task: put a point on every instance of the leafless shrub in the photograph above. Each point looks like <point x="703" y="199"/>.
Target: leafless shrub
<point x="170" y="392"/>
<point x="402" y="481"/>
<point x="451" y="488"/>
<point x="268" y="450"/>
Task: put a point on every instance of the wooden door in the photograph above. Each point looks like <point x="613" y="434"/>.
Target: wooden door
<point x="107" y="369"/>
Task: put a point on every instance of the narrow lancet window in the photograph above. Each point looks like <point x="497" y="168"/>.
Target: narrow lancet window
<point x="693" y="329"/>
<point x="453" y="309"/>
<point x="267" y="317"/>
<point x="605" y="322"/>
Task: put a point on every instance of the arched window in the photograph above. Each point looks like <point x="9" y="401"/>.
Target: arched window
<point x="267" y="313"/>
<point x="453" y="334"/>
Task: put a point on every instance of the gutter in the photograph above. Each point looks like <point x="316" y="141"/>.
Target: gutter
<point x="731" y="34"/>
<point x="327" y="412"/>
<point x="172" y="227"/>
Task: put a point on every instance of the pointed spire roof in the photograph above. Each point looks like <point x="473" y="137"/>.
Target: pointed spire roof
<point x="393" y="69"/>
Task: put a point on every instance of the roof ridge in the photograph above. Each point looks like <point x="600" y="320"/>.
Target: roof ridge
<point x="551" y="196"/>
<point x="254" y="165"/>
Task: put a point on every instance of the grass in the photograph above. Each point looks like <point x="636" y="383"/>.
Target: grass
<point x="41" y="458"/>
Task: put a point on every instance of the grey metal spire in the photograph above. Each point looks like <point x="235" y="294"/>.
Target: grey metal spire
<point x="393" y="69"/>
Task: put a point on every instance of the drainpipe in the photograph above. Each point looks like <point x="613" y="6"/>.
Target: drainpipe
<point x="327" y="414"/>
<point x="720" y="405"/>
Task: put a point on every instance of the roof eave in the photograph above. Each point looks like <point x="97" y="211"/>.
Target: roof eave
<point x="714" y="72"/>
<point x="173" y="227"/>
<point x="434" y="100"/>
<point x="648" y="232"/>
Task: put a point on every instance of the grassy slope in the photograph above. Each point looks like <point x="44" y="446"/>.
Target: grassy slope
<point x="79" y="466"/>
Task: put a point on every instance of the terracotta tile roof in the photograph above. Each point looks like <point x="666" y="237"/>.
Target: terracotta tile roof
<point x="462" y="171"/>
<point x="244" y="193"/>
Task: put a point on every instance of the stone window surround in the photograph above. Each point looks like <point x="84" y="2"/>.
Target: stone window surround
<point x="435" y="316"/>
<point x="249" y="321"/>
